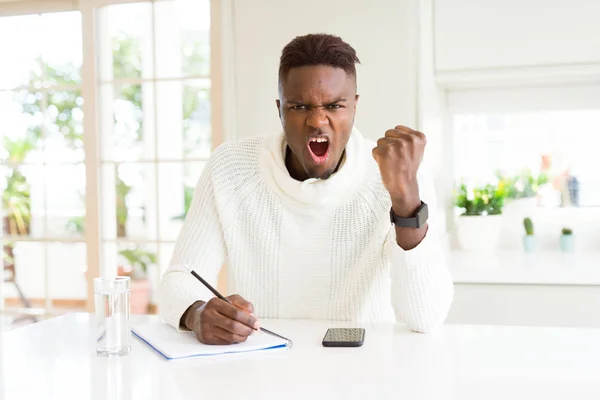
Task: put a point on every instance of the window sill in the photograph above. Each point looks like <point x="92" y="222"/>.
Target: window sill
<point x="543" y="268"/>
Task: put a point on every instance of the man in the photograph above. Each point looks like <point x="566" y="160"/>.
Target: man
<point x="303" y="217"/>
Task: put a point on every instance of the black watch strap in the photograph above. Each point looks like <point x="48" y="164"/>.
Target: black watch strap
<point x="416" y="221"/>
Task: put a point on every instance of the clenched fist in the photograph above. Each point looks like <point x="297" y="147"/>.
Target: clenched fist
<point x="399" y="155"/>
<point x="219" y="322"/>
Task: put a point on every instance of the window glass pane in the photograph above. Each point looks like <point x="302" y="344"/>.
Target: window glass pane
<point x="129" y="47"/>
<point x="129" y="201"/>
<point x="21" y="126"/>
<point x="61" y="48"/>
<point x="177" y="182"/>
<point x="127" y="122"/>
<point x="182" y="38"/>
<point x="197" y="135"/>
<point x="23" y="200"/>
<point x="183" y="123"/>
<point x="64" y="127"/>
<point x="551" y="155"/>
<point x="23" y="49"/>
<point x="65" y="200"/>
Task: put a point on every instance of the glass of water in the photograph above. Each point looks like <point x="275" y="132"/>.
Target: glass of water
<point x="113" y="330"/>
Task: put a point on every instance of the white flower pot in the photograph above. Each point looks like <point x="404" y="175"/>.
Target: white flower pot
<point x="479" y="234"/>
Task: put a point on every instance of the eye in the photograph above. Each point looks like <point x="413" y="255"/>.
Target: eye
<point x="334" y="106"/>
<point x="299" y="108"/>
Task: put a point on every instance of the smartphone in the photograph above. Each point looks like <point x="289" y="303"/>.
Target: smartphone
<point x="344" y="337"/>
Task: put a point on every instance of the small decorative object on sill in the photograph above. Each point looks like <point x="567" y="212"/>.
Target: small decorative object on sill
<point x="480" y="221"/>
<point x="529" y="242"/>
<point x="567" y="241"/>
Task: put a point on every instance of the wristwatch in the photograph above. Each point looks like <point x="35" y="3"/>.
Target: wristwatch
<point x="416" y="221"/>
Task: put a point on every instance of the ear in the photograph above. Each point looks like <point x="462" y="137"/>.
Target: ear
<point x="356" y="98"/>
<point x="278" y="103"/>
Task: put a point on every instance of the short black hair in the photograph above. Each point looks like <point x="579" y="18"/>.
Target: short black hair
<point x="318" y="49"/>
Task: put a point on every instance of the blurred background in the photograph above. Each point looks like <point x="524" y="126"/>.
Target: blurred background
<point x="109" y="110"/>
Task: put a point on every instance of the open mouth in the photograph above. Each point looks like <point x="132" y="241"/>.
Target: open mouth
<point x="318" y="147"/>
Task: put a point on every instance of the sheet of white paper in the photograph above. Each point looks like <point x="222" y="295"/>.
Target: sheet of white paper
<point x="173" y="344"/>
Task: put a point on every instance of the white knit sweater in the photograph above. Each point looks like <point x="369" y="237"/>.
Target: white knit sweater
<point x="318" y="249"/>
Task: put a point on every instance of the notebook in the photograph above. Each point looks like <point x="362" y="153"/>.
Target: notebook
<point x="173" y="344"/>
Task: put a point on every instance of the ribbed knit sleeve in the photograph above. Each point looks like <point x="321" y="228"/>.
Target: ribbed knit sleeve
<point x="422" y="288"/>
<point x="201" y="246"/>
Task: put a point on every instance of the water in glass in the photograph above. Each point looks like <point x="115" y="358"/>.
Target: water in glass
<point x="113" y="333"/>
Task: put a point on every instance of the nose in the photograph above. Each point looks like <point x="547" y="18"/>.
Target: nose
<point x="317" y="118"/>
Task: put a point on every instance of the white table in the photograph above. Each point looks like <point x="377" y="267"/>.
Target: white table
<point x="54" y="360"/>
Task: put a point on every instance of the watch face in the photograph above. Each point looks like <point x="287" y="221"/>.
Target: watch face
<point x="422" y="215"/>
<point x="417" y="221"/>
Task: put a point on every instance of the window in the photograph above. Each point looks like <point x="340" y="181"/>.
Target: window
<point x="42" y="174"/>
<point x="151" y="92"/>
<point x="542" y="152"/>
<point x="539" y="144"/>
<point x="155" y="128"/>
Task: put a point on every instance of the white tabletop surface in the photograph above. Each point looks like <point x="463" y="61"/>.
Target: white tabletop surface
<point x="55" y="359"/>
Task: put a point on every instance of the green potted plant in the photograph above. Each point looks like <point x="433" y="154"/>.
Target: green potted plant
<point x="16" y="219"/>
<point x="16" y="198"/>
<point x="567" y="240"/>
<point x="480" y="220"/>
<point x="135" y="263"/>
<point x="524" y="185"/>
<point x="521" y="193"/>
<point x="529" y="243"/>
<point x="16" y="203"/>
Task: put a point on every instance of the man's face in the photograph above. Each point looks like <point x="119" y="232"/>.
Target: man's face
<point x="317" y="106"/>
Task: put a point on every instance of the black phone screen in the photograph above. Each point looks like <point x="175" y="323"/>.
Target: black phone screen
<point x="344" y="337"/>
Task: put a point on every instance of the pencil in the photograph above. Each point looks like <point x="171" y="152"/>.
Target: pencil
<point x="220" y="296"/>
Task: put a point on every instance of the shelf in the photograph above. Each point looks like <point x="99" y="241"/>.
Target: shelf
<point x="547" y="268"/>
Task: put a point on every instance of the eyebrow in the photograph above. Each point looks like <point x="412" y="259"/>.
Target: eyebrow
<point x="303" y="103"/>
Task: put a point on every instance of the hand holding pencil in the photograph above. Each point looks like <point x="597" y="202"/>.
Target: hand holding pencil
<point x="223" y="320"/>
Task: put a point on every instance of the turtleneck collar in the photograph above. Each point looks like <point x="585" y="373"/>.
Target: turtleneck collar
<point x="312" y="192"/>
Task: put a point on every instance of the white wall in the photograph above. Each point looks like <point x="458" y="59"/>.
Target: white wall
<point x="379" y="30"/>
<point x="431" y="112"/>
<point x="481" y="34"/>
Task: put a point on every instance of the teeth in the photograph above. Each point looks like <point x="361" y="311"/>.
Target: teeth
<point x="318" y="140"/>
